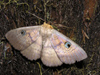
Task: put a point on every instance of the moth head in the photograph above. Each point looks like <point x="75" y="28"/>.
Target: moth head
<point x="67" y="44"/>
<point x="45" y="25"/>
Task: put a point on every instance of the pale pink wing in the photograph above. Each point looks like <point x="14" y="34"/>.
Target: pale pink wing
<point x="26" y="39"/>
<point x="67" y="50"/>
<point x="48" y="55"/>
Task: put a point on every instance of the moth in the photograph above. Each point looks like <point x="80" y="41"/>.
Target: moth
<point x="46" y="43"/>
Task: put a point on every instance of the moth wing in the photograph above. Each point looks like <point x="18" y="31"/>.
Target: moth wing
<point x="26" y="39"/>
<point x="66" y="55"/>
<point x="33" y="52"/>
<point x="49" y="56"/>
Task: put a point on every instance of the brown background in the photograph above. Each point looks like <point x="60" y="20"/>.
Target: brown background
<point x="70" y="17"/>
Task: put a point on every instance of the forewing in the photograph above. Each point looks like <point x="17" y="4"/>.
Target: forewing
<point x="21" y="38"/>
<point x="26" y="39"/>
<point x="66" y="55"/>
<point x="33" y="52"/>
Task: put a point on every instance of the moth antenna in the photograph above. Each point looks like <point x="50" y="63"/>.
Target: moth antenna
<point x="39" y="17"/>
<point x="36" y="16"/>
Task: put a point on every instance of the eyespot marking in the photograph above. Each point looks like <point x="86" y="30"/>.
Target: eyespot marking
<point x="23" y="32"/>
<point x="67" y="44"/>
